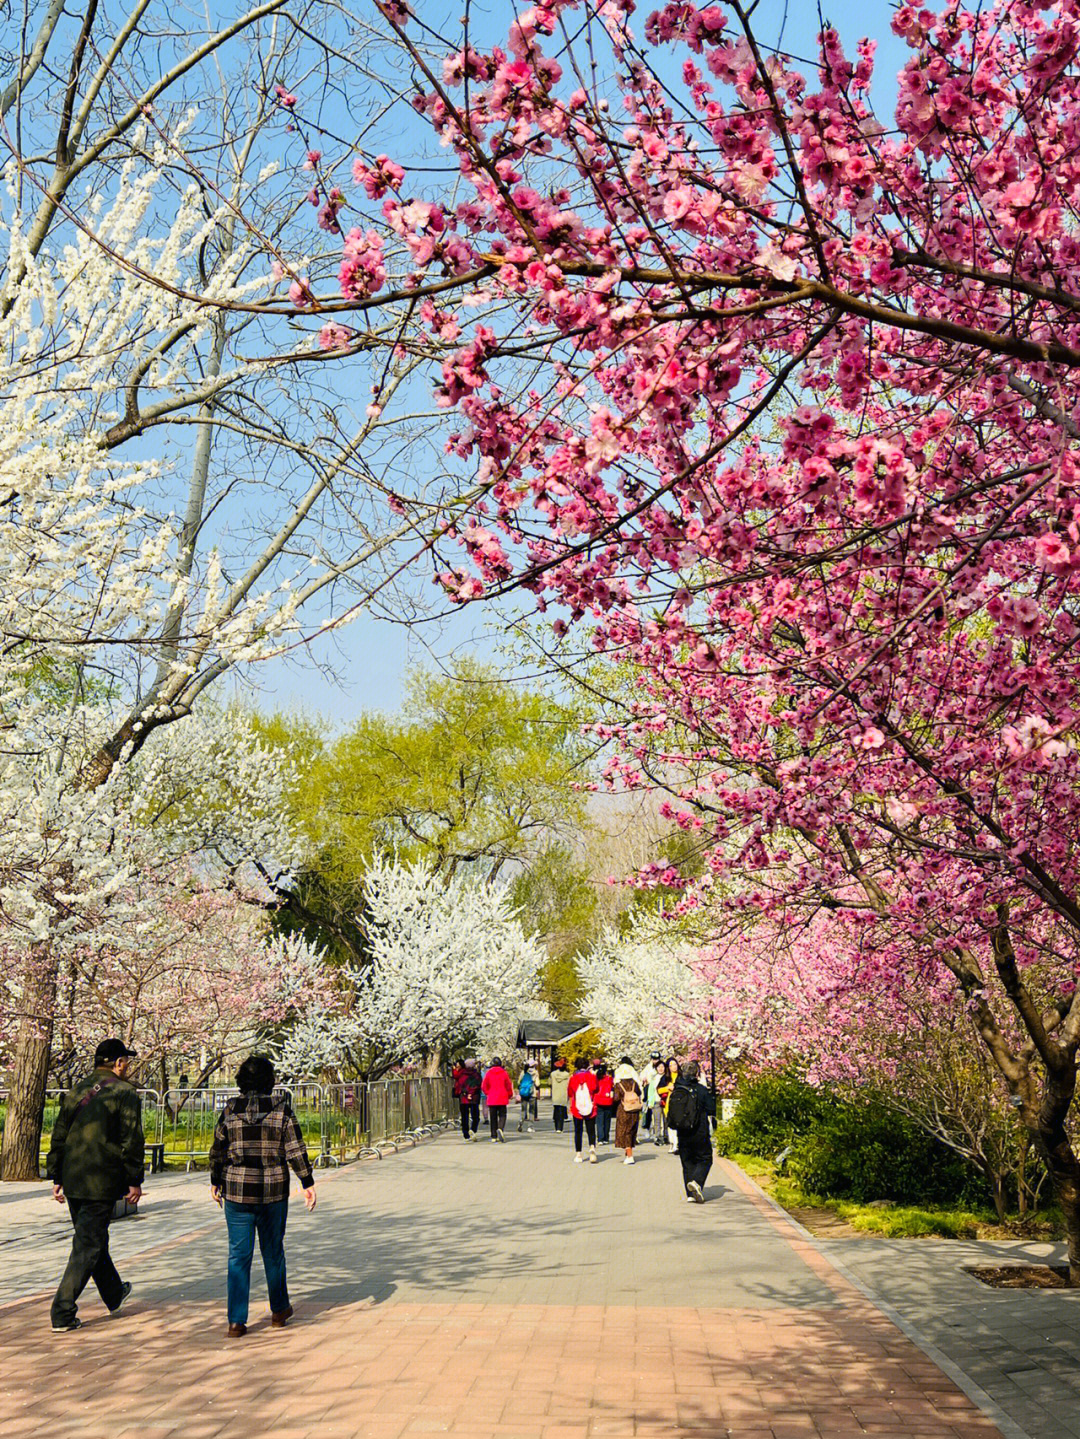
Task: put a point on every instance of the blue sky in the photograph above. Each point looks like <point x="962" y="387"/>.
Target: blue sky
<point x="369" y="658"/>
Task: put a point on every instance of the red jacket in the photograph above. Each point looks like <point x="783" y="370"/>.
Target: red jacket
<point x="605" y="1091"/>
<point x="467" y="1085"/>
<point x="583" y="1079"/>
<point x="497" y="1086"/>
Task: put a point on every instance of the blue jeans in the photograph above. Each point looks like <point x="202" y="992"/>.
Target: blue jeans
<point x="243" y="1222"/>
<point x="603" y="1123"/>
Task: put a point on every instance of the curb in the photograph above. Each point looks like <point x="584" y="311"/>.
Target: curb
<point x="978" y="1396"/>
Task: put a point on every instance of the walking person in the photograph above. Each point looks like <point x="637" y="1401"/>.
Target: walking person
<point x="656" y="1074"/>
<point x="560" y="1083"/>
<point x="256" y="1141"/>
<point x="645" y="1079"/>
<point x="95" y="1158"/>
<point x="484" y="1116"/>
<point x="690" y="1107"/>
<point x="605" y="1104"/>
<point x="528" y="1089"/>
<point x="467" y="1094"/>
<point x="626" y="1089"/>
<point x="667" y="1084"/>
<point x="498" y="1090"/>
<point x="582" y="1098"/>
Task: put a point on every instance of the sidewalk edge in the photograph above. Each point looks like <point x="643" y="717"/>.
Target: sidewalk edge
<point x="978" y="1396"/>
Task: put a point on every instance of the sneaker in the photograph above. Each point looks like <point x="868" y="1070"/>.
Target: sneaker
<point x="629" y="1160"/>
<point x="494" y="1140"/>
<point x="690" y="1199"/>
<point x="694" y="1192"/>
<point x="67" y="1327"/>
<point x="578" y="1159"/>
<point x="466" y="1138"/>
<point x="125" y="1296"/>
<point x="592" y="1155"/>
<point x="502" y="1137"/>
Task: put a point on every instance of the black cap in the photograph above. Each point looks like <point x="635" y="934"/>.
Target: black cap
<point x="655" y="1054"/>
<point x="110" y="1050"/>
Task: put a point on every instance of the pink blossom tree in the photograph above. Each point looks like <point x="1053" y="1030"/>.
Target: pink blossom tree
<point x="798" y="442"/>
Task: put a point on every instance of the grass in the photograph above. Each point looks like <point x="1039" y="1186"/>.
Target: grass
<point x="900" y="1221"/>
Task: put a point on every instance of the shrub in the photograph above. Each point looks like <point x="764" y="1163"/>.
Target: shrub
<point x="774" y="1110"/>
<point x="845" y="1148"/>
<point x="864" y="1151"/>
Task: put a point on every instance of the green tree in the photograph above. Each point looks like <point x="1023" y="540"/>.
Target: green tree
<point x="475" y="771"/>
<point x="557" y="899"/>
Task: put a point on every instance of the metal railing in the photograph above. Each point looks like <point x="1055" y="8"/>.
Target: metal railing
<point x="339" y="1122"/>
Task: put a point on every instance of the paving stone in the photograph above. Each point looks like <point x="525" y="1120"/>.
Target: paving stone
<point x="480" y="1293"/>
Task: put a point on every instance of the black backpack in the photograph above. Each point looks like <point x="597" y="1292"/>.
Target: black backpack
<point x="684" y="1108"/>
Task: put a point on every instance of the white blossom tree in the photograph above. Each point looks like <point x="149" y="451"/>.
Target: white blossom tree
<point x="449" y="964"/>
<point x="642" y="987"/>
<point x="120" y="602"/>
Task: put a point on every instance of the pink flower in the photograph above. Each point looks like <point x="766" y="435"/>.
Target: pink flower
<point x="333" y="336"/>
<point x="1052" y="551"/>
<point x="285" y="99"/>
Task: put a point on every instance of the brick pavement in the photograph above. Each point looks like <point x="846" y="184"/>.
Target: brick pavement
<point x="487" y="1292"/>
<point x="1022" y="1347"/>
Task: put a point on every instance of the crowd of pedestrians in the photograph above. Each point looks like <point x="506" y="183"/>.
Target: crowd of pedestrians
<point x="662" y="1103"/>
<point x="97" y="1153"/>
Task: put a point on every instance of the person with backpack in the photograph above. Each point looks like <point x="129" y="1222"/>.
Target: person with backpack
<point x="605" y="1104"/>
<point x="626" y="1089"/>
<point x="498" y="1089"/>
<point x="560" y="1100"/>
<point x="582" y="1096"/>
<point x="690" y="1108"/>
<point x="95" y="1158"/>
<point x="467" y="1094"/>
<point x="257" y="1140"/>
<point x="528" y="1089"/>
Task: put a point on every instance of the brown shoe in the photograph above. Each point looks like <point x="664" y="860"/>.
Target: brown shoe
<point x="281" y="1318"/>
<point x="237" y="1331"/>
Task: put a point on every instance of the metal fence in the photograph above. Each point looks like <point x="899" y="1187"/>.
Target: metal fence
<point x="339" y="1122"/>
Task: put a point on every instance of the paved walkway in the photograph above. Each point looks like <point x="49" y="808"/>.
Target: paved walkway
<point x="1022" y="1347"/>
<point x="481" y="1292"/>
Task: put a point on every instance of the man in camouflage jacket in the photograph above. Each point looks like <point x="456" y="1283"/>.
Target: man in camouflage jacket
<point x="96" y="1158"/>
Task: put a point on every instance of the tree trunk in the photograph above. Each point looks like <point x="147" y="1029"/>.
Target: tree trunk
<point x="1021" y="1177"/>
<point x="431" y="1063"/>
<point x="1065" y="1174"/>
<point x="997" y="1192"/>
<point x="1055" y="1148"/>
<point x="21" y="1157"/>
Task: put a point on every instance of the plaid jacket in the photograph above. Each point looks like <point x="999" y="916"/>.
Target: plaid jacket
<point x="255" y="1139"/>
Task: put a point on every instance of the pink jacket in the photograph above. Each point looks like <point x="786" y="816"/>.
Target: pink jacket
<point x="497" y="1086"/>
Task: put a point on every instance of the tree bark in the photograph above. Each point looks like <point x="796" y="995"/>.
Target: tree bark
<point x="1053" y="1143"/>
<point x="432" y="1063"/>
<point x="21" y="1156"/>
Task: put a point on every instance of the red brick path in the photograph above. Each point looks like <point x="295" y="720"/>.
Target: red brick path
<point x="479" y="1370"/>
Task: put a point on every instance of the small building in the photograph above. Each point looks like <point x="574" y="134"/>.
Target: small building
<point x="540" y="1038"/>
